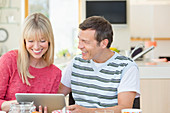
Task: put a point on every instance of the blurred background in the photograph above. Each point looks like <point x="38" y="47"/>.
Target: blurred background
<point x="146" y="20"/>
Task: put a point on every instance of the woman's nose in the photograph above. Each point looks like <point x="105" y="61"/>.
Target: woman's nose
<point x="36" y="45"/>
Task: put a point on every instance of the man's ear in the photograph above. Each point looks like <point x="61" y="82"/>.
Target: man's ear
<point x="104" y="43"/>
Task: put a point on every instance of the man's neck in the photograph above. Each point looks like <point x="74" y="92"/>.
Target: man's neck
<point x="104" y="56"/>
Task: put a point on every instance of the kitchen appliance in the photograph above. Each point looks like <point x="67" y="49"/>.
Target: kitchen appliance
<point x="143" y="52"/>
<point x="115" y="11"/>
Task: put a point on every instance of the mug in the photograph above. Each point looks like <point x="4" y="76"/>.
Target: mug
<point x="131" y="111"/>
<point x="2" y="112"/>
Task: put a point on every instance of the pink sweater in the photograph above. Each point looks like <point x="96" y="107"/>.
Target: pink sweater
<point x="46" y="79"/>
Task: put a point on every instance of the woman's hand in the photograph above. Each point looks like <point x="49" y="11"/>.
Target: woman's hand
<point x="6" y="105"/>
<point x="40" y="109"/>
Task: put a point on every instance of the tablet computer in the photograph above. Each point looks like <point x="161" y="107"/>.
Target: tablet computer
<point x="52" y="101"/>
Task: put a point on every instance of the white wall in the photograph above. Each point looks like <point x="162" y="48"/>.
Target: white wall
<point x="64" y="19"/>
<point x="121" y="38"/>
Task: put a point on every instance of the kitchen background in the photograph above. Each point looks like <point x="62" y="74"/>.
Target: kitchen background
<point x="147" y="20"/>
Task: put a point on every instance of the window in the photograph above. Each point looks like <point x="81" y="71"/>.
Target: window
<point x="41" y="6"/>
<point x="64" y="20"/>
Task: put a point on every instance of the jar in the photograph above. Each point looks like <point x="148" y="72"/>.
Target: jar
<point x="22" y="107"/>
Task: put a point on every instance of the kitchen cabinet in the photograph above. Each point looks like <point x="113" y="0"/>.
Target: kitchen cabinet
<point x="155" y="95"/>
<point x="150" y="19"/>
<point x="9" y="15"/>
<point x="155" y="87"/>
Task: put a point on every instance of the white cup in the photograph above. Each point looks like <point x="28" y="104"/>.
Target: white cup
<point x="2" y="112"/>
<point x="104" y="111"/>
<point x="131" y="111"/>
<point x="10" y="19"/>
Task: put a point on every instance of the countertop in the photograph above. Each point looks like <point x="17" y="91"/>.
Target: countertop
<point x="158" y="70"/>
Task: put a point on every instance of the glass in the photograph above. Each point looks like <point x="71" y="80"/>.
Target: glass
<point x="104" y="111"/>
<point x="22" y="107"/>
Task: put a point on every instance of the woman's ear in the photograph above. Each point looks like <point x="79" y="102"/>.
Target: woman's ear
<point x="104" y="43"/>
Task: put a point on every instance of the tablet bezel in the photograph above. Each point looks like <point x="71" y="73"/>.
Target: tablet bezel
<point x="52" y="101"/>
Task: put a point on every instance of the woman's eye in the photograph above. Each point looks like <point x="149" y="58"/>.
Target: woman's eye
<point x="43" y="40"/>
<point x="30" y="40"/>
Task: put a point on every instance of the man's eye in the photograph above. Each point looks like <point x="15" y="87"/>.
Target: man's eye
<point x="84" y="41"/>
<point x="87" y="42"/>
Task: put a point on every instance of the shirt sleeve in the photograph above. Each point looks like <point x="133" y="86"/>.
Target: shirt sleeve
<point x="5" y="76"/>
<point x="130" y="81"/>
<point x="66" y="75"/>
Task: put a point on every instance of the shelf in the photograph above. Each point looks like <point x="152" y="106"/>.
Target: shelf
<point x="8" y="23"/>
<point x="148" y="39"/>
<point x="9" y="8"/>
<point x="10" y="19"/>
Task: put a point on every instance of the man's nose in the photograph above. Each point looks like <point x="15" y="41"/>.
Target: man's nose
<point x="80" y="45"/>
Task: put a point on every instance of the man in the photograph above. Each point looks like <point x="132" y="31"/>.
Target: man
<point x="99" y="78"/>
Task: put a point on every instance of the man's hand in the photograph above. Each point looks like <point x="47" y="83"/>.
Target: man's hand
<point x="6" y="105"/>
<point x="78" y="109"/>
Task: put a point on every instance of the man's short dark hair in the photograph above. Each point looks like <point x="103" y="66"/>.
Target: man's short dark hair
<point x="102" y="27"/>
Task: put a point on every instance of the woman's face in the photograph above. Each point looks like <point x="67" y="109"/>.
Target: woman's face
<point x="36" y="48"/>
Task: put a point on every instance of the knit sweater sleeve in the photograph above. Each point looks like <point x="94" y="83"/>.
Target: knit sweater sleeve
<point x="5" y="72"/>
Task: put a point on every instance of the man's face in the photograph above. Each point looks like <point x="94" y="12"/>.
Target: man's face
<point x="88" y="44"/>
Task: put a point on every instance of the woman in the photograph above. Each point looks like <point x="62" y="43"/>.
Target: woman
<point x="30" y="69"/>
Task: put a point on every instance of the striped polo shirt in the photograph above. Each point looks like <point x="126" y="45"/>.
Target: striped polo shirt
<point x="96" y="87"/>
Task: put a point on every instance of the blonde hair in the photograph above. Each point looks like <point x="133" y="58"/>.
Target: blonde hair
<point x="35" y="25"/>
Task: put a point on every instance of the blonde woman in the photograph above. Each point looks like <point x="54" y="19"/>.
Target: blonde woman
<point x="30" y="69"/>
